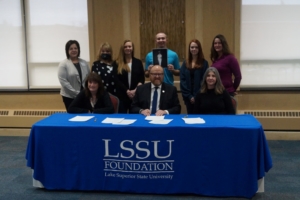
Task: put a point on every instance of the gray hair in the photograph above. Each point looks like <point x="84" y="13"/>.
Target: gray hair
<point x="219" y="88"/>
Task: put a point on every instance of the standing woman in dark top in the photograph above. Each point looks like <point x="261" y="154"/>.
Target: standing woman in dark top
<point x="191" y="74"/>
<point x="213" y="98"/>
<point x="104" y="68"/>
<point x="93" y="99"/>
<point x="72" y="73"/>
<point x="130" y="74"/>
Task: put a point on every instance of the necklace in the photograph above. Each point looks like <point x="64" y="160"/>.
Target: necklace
<point x="93" y="101"/>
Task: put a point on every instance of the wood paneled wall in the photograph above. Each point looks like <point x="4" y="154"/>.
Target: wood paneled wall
<point x="158" y="16"/>
<point x="116" y="20"/>
<point x="207" y="18"/>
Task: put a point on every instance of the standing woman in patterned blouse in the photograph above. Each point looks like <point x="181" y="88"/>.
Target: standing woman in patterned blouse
<point x="227" y="65"/>
<point x="103" y="67"/>
<point x="72" y="73"/>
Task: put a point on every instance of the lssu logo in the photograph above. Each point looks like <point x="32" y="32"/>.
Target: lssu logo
<point x="132" y="159"/>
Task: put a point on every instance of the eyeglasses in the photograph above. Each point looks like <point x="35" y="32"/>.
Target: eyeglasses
<point x="154" y="74"/>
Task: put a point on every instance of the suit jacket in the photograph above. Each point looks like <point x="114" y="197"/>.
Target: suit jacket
<point x="168" y="99"/>
<point x="69" y="79"/>
<point x="82" y="104"/>
<point x="137" y="75"/>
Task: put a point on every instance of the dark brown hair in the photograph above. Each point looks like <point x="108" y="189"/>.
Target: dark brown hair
<point x="225" y="49"/>
<point x="68" y="44"/>
<point x="93" y="77"/>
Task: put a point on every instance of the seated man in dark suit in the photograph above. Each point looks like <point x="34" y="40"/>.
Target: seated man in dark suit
<point x="156" y="97"/>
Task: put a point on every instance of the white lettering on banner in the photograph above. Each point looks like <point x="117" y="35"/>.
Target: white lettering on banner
<point x="127" y="149"/>
<point x="136" y="166"/>
<point x="138" y="176"/>
<point x="142" y="149"/>
<point x="133" y="166"/>
<point x="137" y="146"/>
<point x="107" y="150"/>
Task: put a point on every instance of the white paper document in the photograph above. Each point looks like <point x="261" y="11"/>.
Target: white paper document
<point x="108" y="120"/>
<point x="164" y="121"/>
<point x="80" y="118"/>
<point x="196" y="120"/>
<point x="125" y="122"/>
<point x="155" y="118"/>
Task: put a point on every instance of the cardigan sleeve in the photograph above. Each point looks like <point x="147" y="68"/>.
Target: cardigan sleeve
<point x="78" y="105"/>
<point x="185" y="90"/>
<point x="104" y="106"/>
<point x="63" y="78"/>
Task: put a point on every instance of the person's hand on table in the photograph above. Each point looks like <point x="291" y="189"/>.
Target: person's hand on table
<point x="146" y="112"/>
<point x="160" y="113"/>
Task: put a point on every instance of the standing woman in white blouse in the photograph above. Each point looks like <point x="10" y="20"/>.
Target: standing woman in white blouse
<point x="72" y="73"/>
<point x="130" y="74"/>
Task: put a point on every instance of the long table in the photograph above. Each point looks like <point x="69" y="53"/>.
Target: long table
<point x="226" y="156"/>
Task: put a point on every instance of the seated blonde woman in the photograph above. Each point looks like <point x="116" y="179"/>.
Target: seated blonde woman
<point x="93" y="99"/>
<point x="212" y="97"/>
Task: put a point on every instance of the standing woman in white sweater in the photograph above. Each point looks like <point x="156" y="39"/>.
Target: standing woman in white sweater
<point x="72" y="73"/>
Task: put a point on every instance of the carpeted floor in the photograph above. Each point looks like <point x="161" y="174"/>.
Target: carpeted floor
<point x="282" y="182"/>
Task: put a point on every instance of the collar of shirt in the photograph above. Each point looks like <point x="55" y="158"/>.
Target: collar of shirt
<point x="153" y="86"/>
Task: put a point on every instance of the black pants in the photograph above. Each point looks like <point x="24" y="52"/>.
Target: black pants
<point x="189" y="106"/>
<point x="67" y="101"/>
<point x="124" y="106"/>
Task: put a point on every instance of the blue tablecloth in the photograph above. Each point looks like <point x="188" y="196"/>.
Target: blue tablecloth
<point x="223" y="157"/>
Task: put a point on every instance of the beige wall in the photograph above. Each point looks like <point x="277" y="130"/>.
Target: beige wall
<point x="269" y="100"/>
<point x="113" y="21"/>
<point x="31" y="100"/>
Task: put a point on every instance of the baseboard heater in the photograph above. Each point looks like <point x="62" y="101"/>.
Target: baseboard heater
<point x="23" y="118"/>
<point x="277" y="120"/>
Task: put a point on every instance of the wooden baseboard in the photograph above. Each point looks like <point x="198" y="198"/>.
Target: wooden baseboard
<point x="15" y="132"/>
<point x="282" y="135"/>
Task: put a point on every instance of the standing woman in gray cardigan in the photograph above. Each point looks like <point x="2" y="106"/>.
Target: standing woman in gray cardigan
<point x="72" y="73"/>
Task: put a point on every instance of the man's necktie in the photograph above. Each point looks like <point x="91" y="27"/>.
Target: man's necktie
<point x="154" y="101"/>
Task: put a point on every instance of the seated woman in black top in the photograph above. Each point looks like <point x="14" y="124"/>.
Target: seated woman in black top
<point x="93" y="99"/>
<point x="213" y="98"/>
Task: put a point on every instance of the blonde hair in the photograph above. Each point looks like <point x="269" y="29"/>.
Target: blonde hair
<point x="121" y="60"/>
<point x="107" y="47"/>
